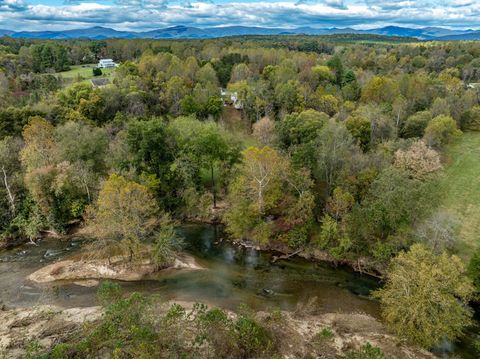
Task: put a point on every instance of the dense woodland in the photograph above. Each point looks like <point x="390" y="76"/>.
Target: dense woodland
<point x="334" y="147"/>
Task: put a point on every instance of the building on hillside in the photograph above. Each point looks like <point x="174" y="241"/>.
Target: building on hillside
<point x="231" y="98"/>
<point x="106" y="63"/>
<point x="474" y="85"/>
<point x="99" y="83"/>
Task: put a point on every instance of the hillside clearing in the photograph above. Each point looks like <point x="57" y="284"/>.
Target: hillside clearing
<point x="82" y="73"/>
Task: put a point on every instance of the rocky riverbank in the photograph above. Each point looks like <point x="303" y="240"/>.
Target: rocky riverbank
<point x="48" y="325"/>
<point x="44" y="325"/>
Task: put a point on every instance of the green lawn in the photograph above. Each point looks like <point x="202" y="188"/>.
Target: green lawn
<point x="459" y="188"/>
<point x="83" y="73"/>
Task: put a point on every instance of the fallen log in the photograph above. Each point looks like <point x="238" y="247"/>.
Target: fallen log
<point x="285" y="256"/>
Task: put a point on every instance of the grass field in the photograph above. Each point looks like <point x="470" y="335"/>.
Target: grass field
<point x="83" y="73"/>
<point x="459" y="188"/>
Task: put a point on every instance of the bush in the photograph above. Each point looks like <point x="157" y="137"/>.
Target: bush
<point x="108" y="292"/>
<point x="297" y="237"/>
<point x="253" y="339"/>
<point x="470" y="120"/>
<point x="97" y="71"/>
<point x="367" y="351"/>
<point x="325" y="334"/>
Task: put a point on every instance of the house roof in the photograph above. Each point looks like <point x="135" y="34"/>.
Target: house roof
<point x="100" y="82"/>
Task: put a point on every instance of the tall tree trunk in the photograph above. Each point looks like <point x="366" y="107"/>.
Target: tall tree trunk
<point x="9" y="192"/>
<point x="214" y="190"/>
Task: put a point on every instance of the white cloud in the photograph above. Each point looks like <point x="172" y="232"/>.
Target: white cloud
<point x="148" y="14"/>
<point x="12" y="5"/>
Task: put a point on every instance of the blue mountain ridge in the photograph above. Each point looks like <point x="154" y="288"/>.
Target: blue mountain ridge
<point x="188" y="32"/>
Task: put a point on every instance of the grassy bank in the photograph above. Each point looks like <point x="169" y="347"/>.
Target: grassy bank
<point x="459" y="188"/>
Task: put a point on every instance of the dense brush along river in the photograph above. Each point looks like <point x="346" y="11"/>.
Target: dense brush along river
<point x="233" y="275"/>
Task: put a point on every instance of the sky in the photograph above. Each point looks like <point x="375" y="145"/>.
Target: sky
<point x="138" y="15"/>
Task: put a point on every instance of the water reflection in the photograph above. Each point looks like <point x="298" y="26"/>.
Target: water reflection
<point x="233" y="275"/>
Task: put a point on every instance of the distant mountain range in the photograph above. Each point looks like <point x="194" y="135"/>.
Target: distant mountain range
<point x="186" y="32"/>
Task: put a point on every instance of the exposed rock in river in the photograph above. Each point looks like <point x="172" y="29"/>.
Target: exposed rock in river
<point x="117" y="269"/>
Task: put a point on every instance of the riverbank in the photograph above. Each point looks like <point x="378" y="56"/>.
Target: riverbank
<point x="362" y="265"/>
<point x="330" y="335"/>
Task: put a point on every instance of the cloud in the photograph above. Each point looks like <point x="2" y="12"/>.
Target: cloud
<point x="461" y="3"/>
<point x="12" y="5"/>
<point x="335" y="3"/>
<point x="150" y="14"/>
<point x="339" y="4"/>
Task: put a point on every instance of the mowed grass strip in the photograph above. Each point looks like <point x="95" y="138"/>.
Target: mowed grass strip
<point x="459" y="190"/>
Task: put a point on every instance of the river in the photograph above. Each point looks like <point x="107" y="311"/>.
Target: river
<point x="233" y="275"/>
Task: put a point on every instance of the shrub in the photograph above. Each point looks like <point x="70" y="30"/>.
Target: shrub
<point x="254" y="340"/>
<point x="108" y="292"/>
<point x="367" y="351"/>
<point x="325" y="334"/>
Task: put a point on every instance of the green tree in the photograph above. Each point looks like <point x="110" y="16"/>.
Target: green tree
<point x="288" y="96"/>
<point x="334" y="147"/>
<point x="208" y="144"/>
<point x="298" y="128"/>
<point x="415" y="125"/>
<point x="85" y="148"/>
<point x="394" y="200"/>
<point x="425" y="296"/>
<point x="360" y="128"/>
<point x="153" y="151"/>
<point x="335" y="63"/>
<point x="440" y="131"/>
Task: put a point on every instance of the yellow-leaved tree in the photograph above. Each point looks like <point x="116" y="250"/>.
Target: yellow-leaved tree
<point x="425" y="296"/>
<point x="127" y="220"/>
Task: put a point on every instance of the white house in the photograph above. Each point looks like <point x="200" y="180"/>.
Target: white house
<point x="106" y="63"/>
<point x="231" y="98"/>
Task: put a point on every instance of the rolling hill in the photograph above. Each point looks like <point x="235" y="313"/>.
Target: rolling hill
<point x="189" y="32"/>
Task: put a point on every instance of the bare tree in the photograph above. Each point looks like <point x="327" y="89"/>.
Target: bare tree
<point x="439" y="231"/>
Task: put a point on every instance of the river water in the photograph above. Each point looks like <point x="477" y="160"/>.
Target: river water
<point x="233" y="275"/>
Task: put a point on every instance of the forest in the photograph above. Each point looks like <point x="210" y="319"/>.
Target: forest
<point x="352" y="149"/>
